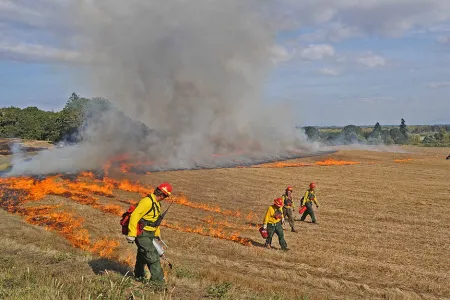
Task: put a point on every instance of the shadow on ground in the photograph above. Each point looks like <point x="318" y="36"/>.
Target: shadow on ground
<point x="100" y="265"/>
<point x="254" y="225"/>
<point x="256" y="244"/>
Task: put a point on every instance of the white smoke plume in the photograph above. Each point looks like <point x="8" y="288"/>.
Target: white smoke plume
<point x="191" y="71"/>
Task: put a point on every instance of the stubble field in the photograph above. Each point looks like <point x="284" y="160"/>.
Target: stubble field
<point x="383" y="232"/>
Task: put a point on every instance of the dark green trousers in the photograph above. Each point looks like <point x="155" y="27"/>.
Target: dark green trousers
<point x="309" y="211"/>
<point x="278" y="229"/>
<point x="288" y="214"/>
<point x="147" y="255"/>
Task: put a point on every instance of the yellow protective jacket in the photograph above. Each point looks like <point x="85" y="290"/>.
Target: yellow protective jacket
<point x="272" y="211"/>
<point x="285" y="203"/>
<point x="310" y="196"/>
<point x="148" y="209"/>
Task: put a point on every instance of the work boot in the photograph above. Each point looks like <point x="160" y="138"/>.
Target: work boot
<point x="267" y="246"/>
<point x="293" y="229"/>
<point x="285" y="249"/>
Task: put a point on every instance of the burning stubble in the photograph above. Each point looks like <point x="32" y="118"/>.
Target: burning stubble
<point x="191" y="71"/>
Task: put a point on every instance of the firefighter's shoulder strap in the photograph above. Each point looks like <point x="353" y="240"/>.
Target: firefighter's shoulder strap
<point x="154" y="208"/>
<point x="160" y="217"/>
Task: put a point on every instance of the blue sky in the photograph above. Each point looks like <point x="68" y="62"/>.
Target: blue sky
<point x="338" y="63"/>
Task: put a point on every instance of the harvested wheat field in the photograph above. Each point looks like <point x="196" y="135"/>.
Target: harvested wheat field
<point x="383" y="232"/>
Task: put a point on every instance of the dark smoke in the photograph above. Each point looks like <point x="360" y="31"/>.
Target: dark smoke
<point x="191" y="71"/>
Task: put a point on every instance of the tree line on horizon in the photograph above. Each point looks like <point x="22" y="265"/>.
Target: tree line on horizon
<point x="36" y="124"/>
<point x="65" y="125"/>
<point x="425" y="135"/>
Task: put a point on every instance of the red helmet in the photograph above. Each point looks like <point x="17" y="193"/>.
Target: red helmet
<point x="289" y="188"/>
<point x="278" y="202"/>
<point x="312" y="185"/>
<point x="166" y="188"/>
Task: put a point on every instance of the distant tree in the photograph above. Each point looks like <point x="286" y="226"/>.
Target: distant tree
<point x="312" y="133"/>
<point x="414" y="139"/>
<point x="30" y="123"/>
<point x="435" y="128"/>
<point x="51" y="126"/>
<point x="377" y="127"/>
<point x="9" y="117"/>
<point x="375" y="136"/>
<point x="334" y="138"/>
<point x="389" y="140"/>
<point x="446" y="139"/>
<point x="428" y="140"/>
<point x="396" y="135"/>
<point x="403" y="133"/>
<point x="72" y="117"/>
<point x="385" y="135"/>
<point x="352" y="134"/>
<point x="403" y="128"/>
<point x="440" y="135"/>
<point x="352" y="128"/>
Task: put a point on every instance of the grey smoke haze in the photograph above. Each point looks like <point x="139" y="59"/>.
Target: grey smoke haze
<point x="193" y="71"/>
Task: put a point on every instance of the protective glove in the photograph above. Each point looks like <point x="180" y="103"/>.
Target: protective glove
<point x="282" y="222"/>
<point x="265" y="226"/>
<point x="130" y="239"/>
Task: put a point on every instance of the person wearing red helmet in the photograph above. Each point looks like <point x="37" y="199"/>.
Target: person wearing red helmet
<point x="146" y="215"/>
<point x="307" y="200"/>
<point x="288" y="207"/>
<point x="273" y="221"/>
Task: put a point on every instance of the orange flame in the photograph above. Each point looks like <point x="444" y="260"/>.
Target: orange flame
<point x="403" y="160"/>
<point x="68" y="226"/>
<point x="327" y="162"/>
<point x="333" y="162"/>
<point x="84" y="190"/>
<point x="282" y="165"/>
<point x="212" y="232"/>
<point x="182" y="200"/>
<point x="104" y="248"/>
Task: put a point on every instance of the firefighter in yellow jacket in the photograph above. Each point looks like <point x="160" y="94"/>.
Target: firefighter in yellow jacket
<point x="273" y="221"/>
<point x="308" y="199"/>
<point x="288" y="207"/>
<point x="146" y="217"/>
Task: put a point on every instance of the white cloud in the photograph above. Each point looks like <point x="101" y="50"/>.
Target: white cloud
<point x="435" y="85"/>
<point x="443" y="40"/>
<point x="372" y="60"/>
<point x="317" y="52"/>
<point x="328" y="72"/>
<point x="34" y="52"/>
<point x="380" y="17"/>
<point x="375" y="100"/>
<point x="334" y="32"/>
<point x="331" y="20"/>
<point x="280" y="54"/>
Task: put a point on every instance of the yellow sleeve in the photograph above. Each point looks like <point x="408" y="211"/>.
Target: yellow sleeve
<point x="315" y="200"/>
<point x="305" y="198"/>
<point x="269" y="214"/>
<point x="143" y="207"/>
